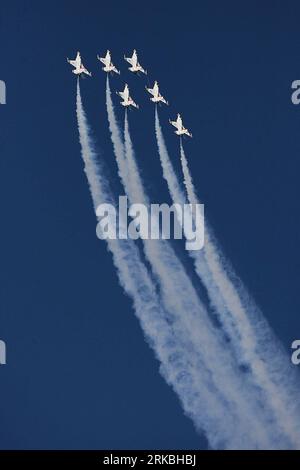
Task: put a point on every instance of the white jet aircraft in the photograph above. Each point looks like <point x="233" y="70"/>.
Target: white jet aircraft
<point x="108" y="65"/>
<point x="180" y="129"/>
<point x="127" y="100"/>
<point x="156" y="96"/>
<point x="135" y="65"/>
<point x="79" y="67"/>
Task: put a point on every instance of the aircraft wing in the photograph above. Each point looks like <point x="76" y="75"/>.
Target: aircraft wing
<point x="124" y="94"/>
<point x="128" y="59"/>
<point x="76" y="62"/>
<point x="174" y="123"/>
<point x="151" y="91"/>
<point x="84" y="70"/>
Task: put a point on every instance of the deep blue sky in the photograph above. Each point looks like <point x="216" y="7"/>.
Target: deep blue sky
<point x="79" y="373"/>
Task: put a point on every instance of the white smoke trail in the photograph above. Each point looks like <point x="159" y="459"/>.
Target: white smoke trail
<point x="255" y="340"/>
<point x="180" y="298"/>
<point x="178" y="196"/>
<point x="213" y="417"/>
<point x="255" y="346"/>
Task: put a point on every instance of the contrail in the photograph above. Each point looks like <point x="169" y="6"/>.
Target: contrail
<point x="199" y="402"/>
<point x="225" y="301"/>
<point x="178" y="196"/>
<point x="116" y="135"/>
<point x="180" y="298"/>
<point x="270" y="366"/>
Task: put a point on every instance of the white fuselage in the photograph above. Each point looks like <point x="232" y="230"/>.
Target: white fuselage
<point x="135" y="66"/>
<point x="108" y="65"/>
<point x="180" y="130"/>
<point x="79" y="67"/>
<point x="127" y="100"/>
<point x="156" y="96"/>
<point x="77" y="71"/>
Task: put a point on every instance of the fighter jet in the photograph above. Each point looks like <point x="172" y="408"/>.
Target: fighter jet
<point x="180" y="129"/>
<point x="108" y="65"/>
<point x="156" y="96"/>
<point x="127" y="100"/>
<point x="79" y="67"/>
<point x="135" y="65"/>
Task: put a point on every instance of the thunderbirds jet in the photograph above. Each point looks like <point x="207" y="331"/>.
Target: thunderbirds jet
<point x="156" y="96"/>
<point x="127" y="100"/>
<point x="108" y="65"/>
<point x="135" y="66"/>
<point x="79" y="67"/>
<point x="180" y="129"/>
